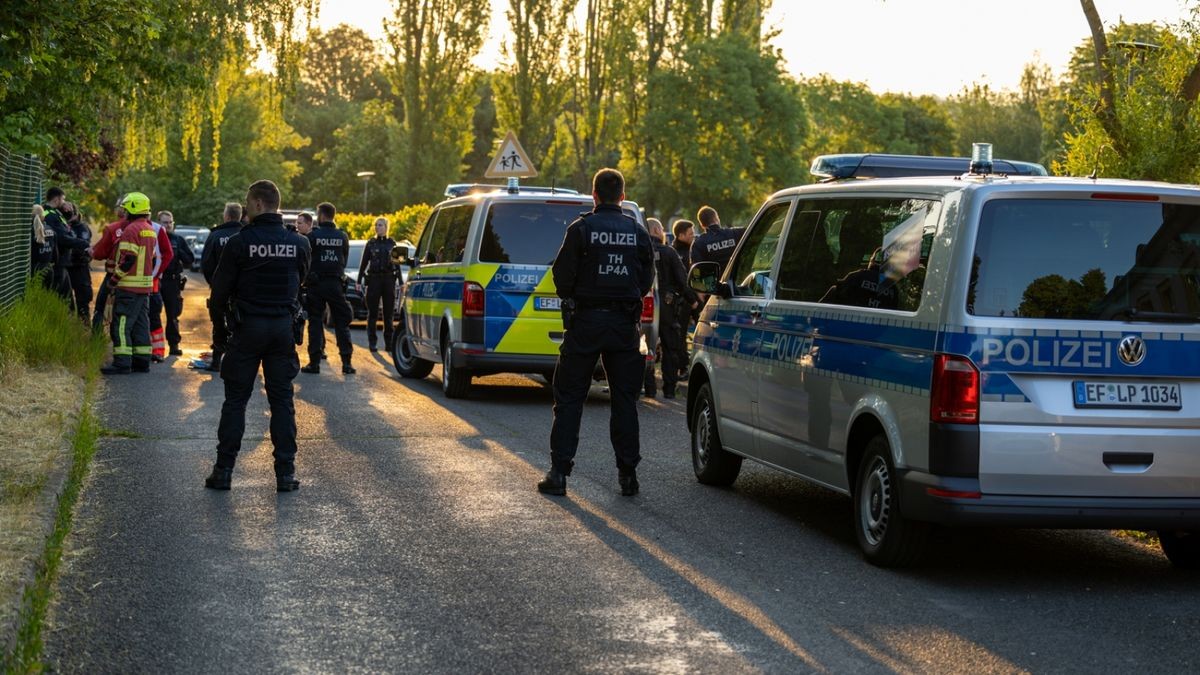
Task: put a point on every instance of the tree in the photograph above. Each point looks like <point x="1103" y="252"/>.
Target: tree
<point x="530" y="87"/>
<point x="363" y="143"/>
<point x="434" y="42"/>
<point x="1138" y="118"/>
<point x="1010" y="121"/>
<point x="341" y="64"/>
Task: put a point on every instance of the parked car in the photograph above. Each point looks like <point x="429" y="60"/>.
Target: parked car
<point x="981" y="349"/>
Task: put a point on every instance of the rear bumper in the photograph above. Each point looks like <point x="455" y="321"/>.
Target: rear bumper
<point x="1135" y="513"/>
<point x="481" y="362"/>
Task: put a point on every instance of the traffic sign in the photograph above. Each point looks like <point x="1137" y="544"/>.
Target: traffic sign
<point x="511" y="161"/>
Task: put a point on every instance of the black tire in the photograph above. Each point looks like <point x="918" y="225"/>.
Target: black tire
<point x="1182" y="547"/>
<point x="407" y="363"/>
<point x="886" y="537"/>
<point x="713" y="464"/>
<point x="456" y="382"/>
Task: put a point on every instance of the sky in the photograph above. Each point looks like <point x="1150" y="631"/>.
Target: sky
<point x="904" y="46"/>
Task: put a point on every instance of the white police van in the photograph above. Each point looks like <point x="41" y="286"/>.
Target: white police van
<point x="983" y="348"/>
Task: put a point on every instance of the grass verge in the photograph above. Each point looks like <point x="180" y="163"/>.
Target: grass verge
<point x="49" y="363"/>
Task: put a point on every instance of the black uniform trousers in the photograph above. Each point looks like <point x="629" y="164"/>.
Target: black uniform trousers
<point x="265" y="341"/>
<point x="613" y="337"/>
<point x="328" y="292"/>
<point x="101" y="305"/>
<point x="672" y="335"/>
<point x="381" y="288"/>
<point x="80" y="278"/>
<point x="171" y="290"/>
<point x="220" y="333"/>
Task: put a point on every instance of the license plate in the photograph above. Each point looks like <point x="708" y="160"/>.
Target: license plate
<point x="548" y="304"/>
<point x="1133" y="395"/>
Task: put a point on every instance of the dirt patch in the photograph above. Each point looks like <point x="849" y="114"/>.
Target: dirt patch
<point x="38" y="410"/>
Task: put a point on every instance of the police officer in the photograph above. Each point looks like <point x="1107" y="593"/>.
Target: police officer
<point x="685" y="234"/>
<point x="78" y="265"/>
<point x="717" y="243"/>
<point x="210" y="256"/>
<point x="260" y="272"/>
<point x="173" y="281"/>
<point x="325" y="288"/>
<point x="678" y="300"/>
<point x="603" y="269"/>
<point x="42" y="249"/>
<point x="378" y="273"/>
<point x="64" y="239"/>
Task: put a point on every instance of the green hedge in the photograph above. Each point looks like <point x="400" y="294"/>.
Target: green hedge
<point x="403" y="224"/>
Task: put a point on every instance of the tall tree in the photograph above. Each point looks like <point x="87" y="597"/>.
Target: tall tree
<point x="530" y="87"/>
<point x="341" y="64"/>
<point x="434" y="42"/>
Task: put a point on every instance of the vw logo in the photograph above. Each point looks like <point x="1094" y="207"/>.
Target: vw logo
<point x="1132" y="350"/>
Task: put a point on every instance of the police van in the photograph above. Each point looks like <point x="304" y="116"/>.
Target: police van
<point x="984" y="348"/>
<point x="480" y="298"/>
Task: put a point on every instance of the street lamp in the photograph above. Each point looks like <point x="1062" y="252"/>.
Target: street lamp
<point x="366" y="176"/>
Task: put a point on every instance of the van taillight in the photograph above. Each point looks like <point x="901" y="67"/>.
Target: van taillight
<point x="648" y="309"/>
<point x="472" y="303"/>
<point x="954" y="393"/>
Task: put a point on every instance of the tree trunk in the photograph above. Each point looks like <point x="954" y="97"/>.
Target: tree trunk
<point x="1107" y="108"/>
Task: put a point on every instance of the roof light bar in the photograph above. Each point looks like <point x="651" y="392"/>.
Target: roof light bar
<point x="840" y="167"/>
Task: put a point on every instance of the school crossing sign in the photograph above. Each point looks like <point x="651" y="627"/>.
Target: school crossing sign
<point x="511" y="161"/>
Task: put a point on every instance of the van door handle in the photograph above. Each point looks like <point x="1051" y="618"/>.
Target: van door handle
<point x="1128" y="462"/>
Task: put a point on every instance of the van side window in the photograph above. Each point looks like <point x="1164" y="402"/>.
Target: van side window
<point x="751" y="271"/>
<point x="868" y="252"/>
<point x="426" y="237"/>
<point x="449" y="241"/>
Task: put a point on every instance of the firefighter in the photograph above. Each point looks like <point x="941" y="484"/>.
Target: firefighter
<point x="131" y="282"/>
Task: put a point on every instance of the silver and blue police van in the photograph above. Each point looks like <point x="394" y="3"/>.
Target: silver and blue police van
<point x="996" y="347"/>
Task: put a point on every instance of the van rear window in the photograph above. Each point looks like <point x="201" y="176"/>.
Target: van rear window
<point x="1087" y="259"/>
<point x="526" y="233"/>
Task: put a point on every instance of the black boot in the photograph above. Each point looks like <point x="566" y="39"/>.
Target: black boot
<point x="116" y="370"/>
<point x="629" y="482"/>
<point x="555" y="483"/>
<point x="347" y="369"/>
<point x="176" y="351"/>
<point x="214" y="364"/>
<point x="286" y="483"/>
<point x="372" y="347"/>
<point x="219" y="479"/>
<point x="313" y="368"/>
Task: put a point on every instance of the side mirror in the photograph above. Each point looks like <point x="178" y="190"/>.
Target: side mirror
<point x="400" y="256"/>
<point x="705" y="277"/>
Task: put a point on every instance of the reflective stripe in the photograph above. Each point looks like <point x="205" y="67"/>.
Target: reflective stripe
<point x="142" y="351"/>
<point x="122" y="347"/>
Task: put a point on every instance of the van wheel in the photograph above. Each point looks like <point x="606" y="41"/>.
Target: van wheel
<point x="714" y="465"/>
<point x="456" y="382"/>
<point x="886" y="537"/>
<point x="404" y="358"/>
<point x="1182" y="547"/>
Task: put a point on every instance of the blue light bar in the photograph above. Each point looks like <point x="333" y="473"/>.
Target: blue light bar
<point x="839" y="167"/>
<point x="464" y="189"/>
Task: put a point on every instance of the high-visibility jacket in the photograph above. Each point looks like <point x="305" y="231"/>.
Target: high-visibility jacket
<point x="106" y="248"/>
<point x="136" y="251"/>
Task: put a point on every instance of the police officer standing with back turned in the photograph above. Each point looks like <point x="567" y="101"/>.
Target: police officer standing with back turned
<point x="325" y="288"/>
<point x="717" y="243"/>
<point x="209" y="257"/>
<point x="378" y="273"/>
<point x="259" y="278"/>
<point x="603" y="270"/>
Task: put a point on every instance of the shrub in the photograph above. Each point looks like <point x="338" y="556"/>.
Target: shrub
<point x="403" y="224"/>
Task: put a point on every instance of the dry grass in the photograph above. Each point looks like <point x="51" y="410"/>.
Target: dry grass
<point x="38" y="410"/>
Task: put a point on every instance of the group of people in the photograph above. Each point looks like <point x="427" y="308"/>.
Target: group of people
<point x="680" y="305"/>
<point x="61" y="252"/>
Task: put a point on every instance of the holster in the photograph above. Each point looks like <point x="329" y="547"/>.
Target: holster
<point x="567" y="307"/>
<point x="299" y="318"/>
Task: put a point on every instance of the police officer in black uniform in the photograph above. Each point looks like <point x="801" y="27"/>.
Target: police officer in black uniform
<point x="678" y="300"/>
<point x="173" y="281"/>
<point x="42" y="249"/>
<point x="78" y="264"/>
<point x="378" y="272"/>
<point x="604" y="268"/>
<point x="330" y="250"/>
<point x="717" y="243"/>
<point x="64" y="239"/>
<point x="259" y="278"/>
<point x="210" y="256"/>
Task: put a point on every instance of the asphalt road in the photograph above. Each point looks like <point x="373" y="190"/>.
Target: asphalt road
<point x="419" y="544"/>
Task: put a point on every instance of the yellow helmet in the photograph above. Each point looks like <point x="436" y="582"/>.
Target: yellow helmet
<point x="136" y="204"/>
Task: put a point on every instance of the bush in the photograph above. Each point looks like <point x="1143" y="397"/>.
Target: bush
<point x="403" y="224"/>
<point x="40" y="329"/>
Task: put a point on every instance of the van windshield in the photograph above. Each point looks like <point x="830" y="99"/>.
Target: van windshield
<point x="1087" y="259"/>
<point x="528" y="233"/>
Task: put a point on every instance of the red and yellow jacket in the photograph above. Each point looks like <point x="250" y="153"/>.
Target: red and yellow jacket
<point x="106" y="248"/>
<point x="136" y="249"/>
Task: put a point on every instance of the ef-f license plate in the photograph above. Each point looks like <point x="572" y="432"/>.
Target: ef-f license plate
<point x="547" y="303"/>
<point x="1131" y="395"/>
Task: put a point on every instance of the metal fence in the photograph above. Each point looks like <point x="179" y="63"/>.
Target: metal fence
<point x="20" y="189"/>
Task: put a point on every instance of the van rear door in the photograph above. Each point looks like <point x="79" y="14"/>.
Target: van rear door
<point x="1088" y="345"/>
